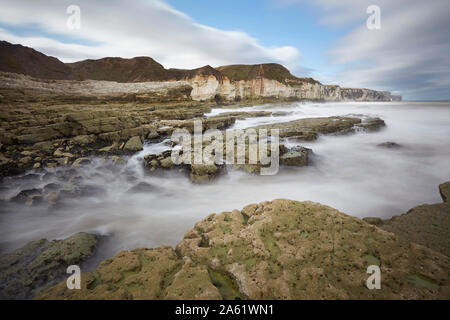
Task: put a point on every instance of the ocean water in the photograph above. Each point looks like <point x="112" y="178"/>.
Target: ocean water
<point x="349" y="172"/>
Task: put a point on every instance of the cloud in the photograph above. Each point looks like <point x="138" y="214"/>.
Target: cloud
<point x="409" y="55"/>
<point x="134" y="28"/>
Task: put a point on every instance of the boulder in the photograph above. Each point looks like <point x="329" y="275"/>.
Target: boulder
<point x="167" y="163"/>
<point x="133" y="144"/>
<point x="297" y="156"/>
<point x="201" y="173"/>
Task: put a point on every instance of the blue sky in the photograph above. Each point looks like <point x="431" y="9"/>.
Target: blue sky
<point x="325" y="39"/>
<point x="272" y="24"/>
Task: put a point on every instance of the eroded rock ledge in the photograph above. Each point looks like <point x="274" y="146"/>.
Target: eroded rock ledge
<point x="427" y="224"/>
<point x="281" y="249"/>
<point x="41" y="264"/>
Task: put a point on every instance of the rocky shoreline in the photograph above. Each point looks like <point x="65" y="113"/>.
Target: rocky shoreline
<point x="57" y="120"/>
<point x="280" y="249"/>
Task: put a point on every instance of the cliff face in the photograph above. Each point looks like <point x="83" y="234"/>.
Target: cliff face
<point x="229" y="83"/>
<point x="209" y="87"/>
<point x="244" y="83"/>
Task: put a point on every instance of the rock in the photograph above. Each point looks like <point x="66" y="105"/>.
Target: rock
<point x="63" y="161"/>
<point x="444" y="190"/>
<point x="389" y="145"/>
<point x="112" y="148"/>
<point x="372" y="124"/>
<point x="41" y="264"/>
<point x="308" y="128"/>
<point x="167" y="163"/>
<point x="297" y="156"/>
<point x="25" y="160"/>
<point x="427" y="224"/>
<point x="46" y="146"/>
<point x="80" y="162"/>
<point x="84" y="140"/>
<point x="60" y="153"/>
<point x="34" y="199"/>
<point x="50" y="187"/>
<point x="4" y="160"/>
<point x="142" y="187"/>
<point x="24" y="195"/>
<point x="133" y="145"/>
<point x="37" y="165"/>
<point x="153" y="134"/>
<point x="374" y="221"/>
<point x="52" y="199"/>
<point x="118" y="160"/>
<point x="201" y="173"/>
<point x="272" y="250"/>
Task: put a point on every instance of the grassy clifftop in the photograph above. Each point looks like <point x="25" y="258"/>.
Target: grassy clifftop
<point x="274" y="71"/>
<point x="139" y="69"/>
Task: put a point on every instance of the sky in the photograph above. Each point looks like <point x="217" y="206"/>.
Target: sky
<point x="328" y="40"/>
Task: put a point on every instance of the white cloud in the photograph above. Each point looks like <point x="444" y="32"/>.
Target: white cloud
<point x="408" y="55"/>
<point x="136" y="28"/>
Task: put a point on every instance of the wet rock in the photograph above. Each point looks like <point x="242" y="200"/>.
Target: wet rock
<point x="34" y="200"/>
<point x="50" y="187"/>
<point x="153" y="134"/>
<point x="133" y="145"/>
<point x="444" y="190"/>
<point x="112" y="148"/>
<point x="309" y="128"/>
<point x="167" y="163"/>
<point x="427" y="224"/>
<point x="117" y="160"/>
<point x="281" y="113"/>
<point x="156" y="161"/>
<point x="241" y="115"/>
<point x="297" y="156"/>
<point x="202" y="173"/>
<point x="389" y="145"/>
<point x="62" y="154"/>
<point x="142" y="187"/>
<point x="272" y="250"/>
<point x="372" y="124"/>
<point x="52" y="199"/>
<point x="41" y="264"/>
<point x="24" y="195"/>
<point x="63" y="161"/>
<point x="80" y="162"/>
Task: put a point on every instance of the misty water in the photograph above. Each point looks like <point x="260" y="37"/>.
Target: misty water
<point x="349" y="172"/>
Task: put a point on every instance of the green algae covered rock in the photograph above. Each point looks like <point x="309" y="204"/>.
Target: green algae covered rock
<point x="42" y="263"/>
<point x="281" y="249"/>
<point x="427" y="224"/>
<point x="133" y="145"/>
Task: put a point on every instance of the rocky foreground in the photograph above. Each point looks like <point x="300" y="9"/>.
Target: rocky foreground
<point x="281" y="249"/>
